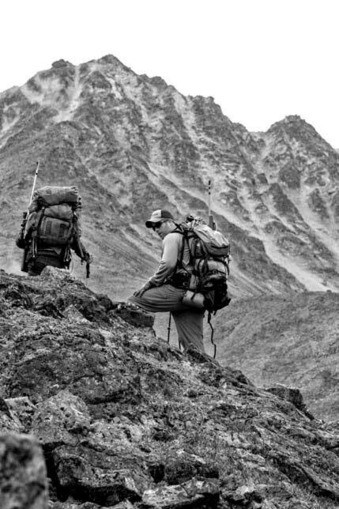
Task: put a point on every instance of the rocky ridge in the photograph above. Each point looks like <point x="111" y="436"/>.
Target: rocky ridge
<point x="126" y="420"/>
<point x="133" y="143"/>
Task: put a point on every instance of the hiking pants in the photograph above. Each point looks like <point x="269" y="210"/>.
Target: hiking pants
<point x="35" y="266"/>
<point x="188" y="320"/>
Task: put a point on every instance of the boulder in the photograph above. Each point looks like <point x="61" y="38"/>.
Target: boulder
<point x="23" y="481"/>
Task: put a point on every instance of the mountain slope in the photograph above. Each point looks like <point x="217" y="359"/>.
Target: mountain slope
<point x="288" y="340"/>
<point x="133" y="144"/>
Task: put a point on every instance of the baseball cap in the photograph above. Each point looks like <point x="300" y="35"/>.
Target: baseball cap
<point x="158" y="216"/>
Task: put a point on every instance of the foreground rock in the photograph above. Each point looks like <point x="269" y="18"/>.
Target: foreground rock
<point x="23" y="481"/>
<point x="127" y="421"/>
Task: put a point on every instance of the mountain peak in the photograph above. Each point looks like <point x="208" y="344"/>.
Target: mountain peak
<point x="61" y="63"/>
<point x="134" y="144"/>
<point x="291" y="121"/>
<point x="293" y="118"/>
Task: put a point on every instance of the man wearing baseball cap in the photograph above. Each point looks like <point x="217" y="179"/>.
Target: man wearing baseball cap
<point x="165" y="290"/>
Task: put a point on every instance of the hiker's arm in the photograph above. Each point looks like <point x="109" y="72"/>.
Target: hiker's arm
<point x="79" y="249"/>
<point x="83" y="254"/>
<point x="20" y="242"/>
<point x="169" y="259"/>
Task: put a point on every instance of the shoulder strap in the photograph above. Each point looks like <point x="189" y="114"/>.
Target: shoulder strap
<point x="178" y="229"/>
<point x="182" y="232"/>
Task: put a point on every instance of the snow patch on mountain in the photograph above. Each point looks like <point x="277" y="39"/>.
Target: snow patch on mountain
<point x="67" y="113"/>
<point x="10" y="116"/>
<point x="45" y="93"/>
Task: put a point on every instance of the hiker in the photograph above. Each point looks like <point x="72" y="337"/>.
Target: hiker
<point x="51" y="230"/>
<point x="165" y="290"/>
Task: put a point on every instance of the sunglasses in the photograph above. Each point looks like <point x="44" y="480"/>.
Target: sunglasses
<point x="155" y="226"/>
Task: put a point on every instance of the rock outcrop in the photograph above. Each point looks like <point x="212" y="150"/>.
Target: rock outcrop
<point x="126" y="420"/>
<point x="23" y="479"/>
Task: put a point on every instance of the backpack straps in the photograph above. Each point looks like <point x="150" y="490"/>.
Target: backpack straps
<point x="180" y="230"/>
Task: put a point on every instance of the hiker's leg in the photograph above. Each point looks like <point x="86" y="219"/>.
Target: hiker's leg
<point x="51" y="261"/>
<point x="189" y="324"/>
<point x="188" y="321"/>
<point x="33" y="270"/>
<point x="160" y="299"/>
<point x="37" y="265"/>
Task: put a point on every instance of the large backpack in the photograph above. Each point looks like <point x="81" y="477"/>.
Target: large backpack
<point x="209" y="257"/>
<point x="53" y="219"/>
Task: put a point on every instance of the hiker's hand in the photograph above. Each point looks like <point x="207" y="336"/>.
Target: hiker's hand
<point x="21" y="244"/>
<point x="142" y="290"/>
<point x="88" y="258"/>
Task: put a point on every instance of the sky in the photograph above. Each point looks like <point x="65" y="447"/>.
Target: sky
<point x="260" y="60"/>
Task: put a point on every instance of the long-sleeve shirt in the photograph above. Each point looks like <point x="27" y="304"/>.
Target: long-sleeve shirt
<point x="172" y="246"/>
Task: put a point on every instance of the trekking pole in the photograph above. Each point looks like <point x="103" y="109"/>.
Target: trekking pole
<point x="211" y="222"/>
<point x="169" y="328"/>
<point x="88" y="266"/>
<point x="212" y="334"/>
<point x="34" y="181"/>
<point x="25" y="216"/>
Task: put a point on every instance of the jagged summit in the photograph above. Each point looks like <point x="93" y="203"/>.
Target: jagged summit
<point x="295" y="127"/>
<point x="61" y="63"/>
